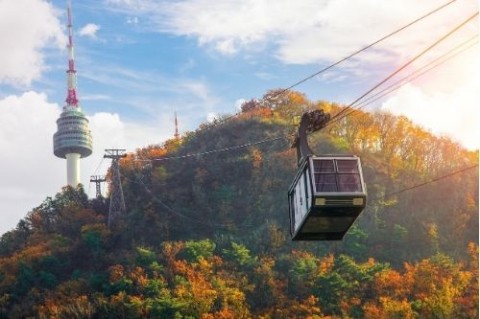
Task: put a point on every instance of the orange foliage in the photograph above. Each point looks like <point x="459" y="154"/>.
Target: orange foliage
<point x="197" y="290"/>
<point x="139" y="277"/>
<point x="257" y="157"/>
<point x="117" y="272"/>
<point x="392" y="283"/>
<point x="389" y="308"/>
<point x="255" y="111"/>
<point x="326" y="263"/>
<point x="224" y="313"/>
<point x="59" y="306"/>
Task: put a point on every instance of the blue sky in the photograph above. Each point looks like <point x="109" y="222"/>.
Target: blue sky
<point x="139" y="61"/>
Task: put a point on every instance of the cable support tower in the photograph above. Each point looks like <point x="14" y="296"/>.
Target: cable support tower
<point x="98" y="180"/>
<point x="117" y="206"/>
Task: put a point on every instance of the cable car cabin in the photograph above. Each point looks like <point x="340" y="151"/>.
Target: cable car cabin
<point x="327" y="195"/>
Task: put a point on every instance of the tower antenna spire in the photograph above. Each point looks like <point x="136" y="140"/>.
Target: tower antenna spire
<point x="72" y="100"/>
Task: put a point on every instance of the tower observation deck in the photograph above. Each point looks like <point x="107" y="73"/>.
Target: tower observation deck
<point x="73" y="139"/>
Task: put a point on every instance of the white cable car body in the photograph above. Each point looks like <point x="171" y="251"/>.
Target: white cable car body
<point x="326" y="196"/>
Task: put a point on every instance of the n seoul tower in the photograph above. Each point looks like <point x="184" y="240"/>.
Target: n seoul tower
<point x="73" y="139"/>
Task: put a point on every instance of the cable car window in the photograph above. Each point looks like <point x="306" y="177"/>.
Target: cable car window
<point x="325" y="182"/>
<point x="347" y="166"/>
<point x="323" y="166"/>
<point x="337" y="175"/>
<point x="349" y="183"/>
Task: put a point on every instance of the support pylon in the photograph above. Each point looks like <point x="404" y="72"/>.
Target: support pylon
<point x="117" y="201"/>
<point x="98" y="180"/>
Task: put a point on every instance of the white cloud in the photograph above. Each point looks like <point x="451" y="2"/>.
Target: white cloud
<point x="198" y="89"/>
<point x="212" y="117"/>
<point x="131" y="5"/>
<point x="265" y="76"/>
<point x="30" y="170"/>
<point x="303" y="31"/>
<point x="226" y="47"/>
<point x="455" y="115"/>
<point x="446" y="100"/>
<point x="238" y="104"/>
<point x="96" y="97"/>
<point x="110" y="132"/>
<point x="89" y="30"/>
<point x="27" y="28"/>
<point x="132" y="20"/>
<point x="156" y="93"/>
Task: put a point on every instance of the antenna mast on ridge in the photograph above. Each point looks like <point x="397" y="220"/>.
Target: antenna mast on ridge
<point x="177" y="136"/>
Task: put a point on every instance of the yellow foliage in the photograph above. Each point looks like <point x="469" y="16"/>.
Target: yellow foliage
<point x="396" y="309"/>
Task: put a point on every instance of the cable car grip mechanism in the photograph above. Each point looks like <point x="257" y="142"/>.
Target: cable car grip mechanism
<point x="310" y="122"/>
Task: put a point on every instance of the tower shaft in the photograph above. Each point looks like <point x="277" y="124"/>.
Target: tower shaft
<point x="73" y="169"/>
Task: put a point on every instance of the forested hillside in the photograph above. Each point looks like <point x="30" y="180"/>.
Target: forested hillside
<point x="205" y="234"/>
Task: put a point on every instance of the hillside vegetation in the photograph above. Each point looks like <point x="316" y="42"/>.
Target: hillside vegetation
<point x="205" y="234"/>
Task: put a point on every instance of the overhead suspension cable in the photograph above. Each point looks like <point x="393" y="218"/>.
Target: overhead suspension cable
<point x="341" y="114"/>
<point x="226" y="149"/>
<point x="277" y="138"/>
<point x="432" y="180"/>
<point x="349" y="108"/>
<point x="276" y="94"/>
<point x="366" y="102"/>
<point x="421" y="71"/>
<point x="426" y="68"/>
<point x="363" y="49"/>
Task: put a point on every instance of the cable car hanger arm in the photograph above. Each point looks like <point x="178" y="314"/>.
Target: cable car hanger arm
<point x="310" y="122"/>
